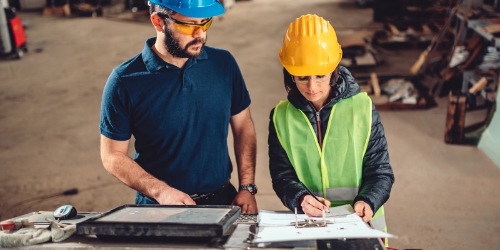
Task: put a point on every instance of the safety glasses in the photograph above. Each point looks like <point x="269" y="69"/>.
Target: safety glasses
<point x="304" y="80"/>
<point x="188" y="28"/>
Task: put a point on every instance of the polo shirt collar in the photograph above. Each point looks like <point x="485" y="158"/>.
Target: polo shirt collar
<point x="154" y="63"/>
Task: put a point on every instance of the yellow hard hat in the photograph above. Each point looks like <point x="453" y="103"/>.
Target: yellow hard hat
<point x="310" y="47"/>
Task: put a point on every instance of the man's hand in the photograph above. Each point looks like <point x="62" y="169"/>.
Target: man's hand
<point x="172" y="196"/>
<point x="312" y="207"/>
<point x="246" y="201"/>
<point x="363" y="210"/>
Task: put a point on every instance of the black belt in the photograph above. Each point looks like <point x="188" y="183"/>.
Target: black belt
<point x="207" y="196"/>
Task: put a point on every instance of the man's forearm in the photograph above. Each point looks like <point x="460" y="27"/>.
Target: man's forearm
<point x="245" y="145"/>
<point x="131" y="174"/>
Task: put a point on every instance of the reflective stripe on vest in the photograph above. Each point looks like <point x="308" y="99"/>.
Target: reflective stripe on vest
<point x="341" y="193"/>
<point x="335" y="171"/>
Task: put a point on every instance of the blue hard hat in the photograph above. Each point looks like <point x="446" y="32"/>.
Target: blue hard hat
<point x="193" y="8"/>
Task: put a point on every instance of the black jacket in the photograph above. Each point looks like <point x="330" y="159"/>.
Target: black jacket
<point x="377" y="173"/>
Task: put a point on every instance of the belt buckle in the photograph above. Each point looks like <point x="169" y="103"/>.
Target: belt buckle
<point x="208" y="195"/>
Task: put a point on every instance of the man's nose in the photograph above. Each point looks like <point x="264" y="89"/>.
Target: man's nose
<point x="198" y="32"/>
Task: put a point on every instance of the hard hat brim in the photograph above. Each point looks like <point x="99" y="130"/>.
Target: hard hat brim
<point x="209" y="11"/>
<point x="307" y="71"/>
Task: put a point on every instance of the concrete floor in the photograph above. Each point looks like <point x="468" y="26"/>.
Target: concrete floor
<point x="445" y="196"/>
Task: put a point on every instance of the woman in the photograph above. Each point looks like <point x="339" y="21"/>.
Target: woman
<point x="327" y="137"/>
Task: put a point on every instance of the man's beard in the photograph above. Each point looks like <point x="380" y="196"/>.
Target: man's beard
<point x="174" y="48"/>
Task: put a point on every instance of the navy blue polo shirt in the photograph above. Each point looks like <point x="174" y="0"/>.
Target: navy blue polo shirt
<point x="179" y="117"/>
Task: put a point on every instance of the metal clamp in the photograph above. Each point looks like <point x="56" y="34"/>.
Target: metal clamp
<point x="310" y="222"/>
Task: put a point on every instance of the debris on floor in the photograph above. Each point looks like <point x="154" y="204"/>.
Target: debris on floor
<point x="395" y="92"/>
<point x="357" y="49"/>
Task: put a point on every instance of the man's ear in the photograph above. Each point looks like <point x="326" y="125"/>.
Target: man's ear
<point x="157" y="22"/>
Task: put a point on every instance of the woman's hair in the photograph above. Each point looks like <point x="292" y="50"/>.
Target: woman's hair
<point x="288" y="80"/>
<point x="290" y="84"/>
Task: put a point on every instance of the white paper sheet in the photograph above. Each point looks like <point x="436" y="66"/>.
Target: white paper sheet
<point x="285" y="218"/>
<point x="276" y="226"/>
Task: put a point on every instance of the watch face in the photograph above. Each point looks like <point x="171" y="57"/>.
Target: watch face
<point x="252" y="188"/>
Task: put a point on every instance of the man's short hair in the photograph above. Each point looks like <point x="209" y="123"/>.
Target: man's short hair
<point x="160" y="10"/>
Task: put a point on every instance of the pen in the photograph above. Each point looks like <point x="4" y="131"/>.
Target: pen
<point x="312" y="194"/>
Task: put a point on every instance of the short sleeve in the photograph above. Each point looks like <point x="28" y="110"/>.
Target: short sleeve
<point x="240" y="98"/>
<point x="115" y="110"/>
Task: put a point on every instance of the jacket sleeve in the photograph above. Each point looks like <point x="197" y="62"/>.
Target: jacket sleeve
<point x="378" y="176"/>
<point x="286" y="184"/>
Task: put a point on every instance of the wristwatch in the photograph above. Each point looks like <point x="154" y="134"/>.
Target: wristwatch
<point x="252" y="188"/>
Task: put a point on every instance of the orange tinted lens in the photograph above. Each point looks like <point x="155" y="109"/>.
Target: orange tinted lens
<point x="189" y="29"/>
<point x="185" y="29"/>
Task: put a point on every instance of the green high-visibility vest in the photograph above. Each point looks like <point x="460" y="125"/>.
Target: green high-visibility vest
<point x="334" y="171"/>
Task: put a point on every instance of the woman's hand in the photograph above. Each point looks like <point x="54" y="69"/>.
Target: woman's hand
<point x="312" y="207"/>
<point x="363" y="210"/>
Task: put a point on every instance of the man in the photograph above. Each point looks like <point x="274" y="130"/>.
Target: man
<point x="177" y="98"/>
